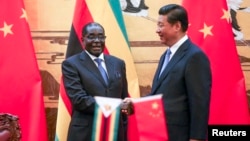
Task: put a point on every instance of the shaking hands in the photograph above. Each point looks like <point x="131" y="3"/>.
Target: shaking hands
<point x="127" y="106"/>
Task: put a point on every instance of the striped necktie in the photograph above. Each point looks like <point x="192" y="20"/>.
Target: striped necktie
<point x="101" y="69"/>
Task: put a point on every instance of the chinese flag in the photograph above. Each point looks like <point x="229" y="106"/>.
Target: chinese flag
<point x="150" y="119"/>
<point x="210" y="28"/>
<point x="20" y="80"/>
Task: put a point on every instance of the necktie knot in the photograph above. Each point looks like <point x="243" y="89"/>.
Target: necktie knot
<point x="98" y="61"/>
<point x="168" y="53"/>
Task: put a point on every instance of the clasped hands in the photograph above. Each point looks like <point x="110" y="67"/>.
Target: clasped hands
<point x="127" y="106"/>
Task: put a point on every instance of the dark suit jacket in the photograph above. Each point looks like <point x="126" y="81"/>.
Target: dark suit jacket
<point x="83" y="81"/>
<point x="186" y="87"/>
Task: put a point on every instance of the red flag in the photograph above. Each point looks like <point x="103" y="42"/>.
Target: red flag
<point x="211" y="29"/>
<point x="149" y="109"/>
<point x="20" y="80"/>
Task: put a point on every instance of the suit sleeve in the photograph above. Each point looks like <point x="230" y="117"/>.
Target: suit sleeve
<point x="80" y="100"/>
<point x="124" y="95"/>
<point x="125" y="82"/>
<point x="198" y="83"/>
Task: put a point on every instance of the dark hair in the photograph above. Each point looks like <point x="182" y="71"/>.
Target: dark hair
<point x="174" y="14"/>
<point x="85" y="31"/>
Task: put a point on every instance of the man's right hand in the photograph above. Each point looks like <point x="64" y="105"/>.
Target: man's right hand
<point x="127" y="106"/>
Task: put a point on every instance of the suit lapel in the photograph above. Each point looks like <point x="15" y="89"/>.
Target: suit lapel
<point x="90" y="65"/>
<point x="156" y="77"/>
<point x="110" y="68"/>
<point x="175" y="59"/>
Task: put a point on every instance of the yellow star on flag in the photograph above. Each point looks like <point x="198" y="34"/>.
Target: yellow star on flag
<point x="206" y="30"/>
<point x="24" y="15"/>
<point x="226" y="15"/>
<point x="155" y="112"/>
<point x="155" y="105"/>
<point x="6" y="29"/>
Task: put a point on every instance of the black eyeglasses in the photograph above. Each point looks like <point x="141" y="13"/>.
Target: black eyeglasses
<point x="99" y="37"/>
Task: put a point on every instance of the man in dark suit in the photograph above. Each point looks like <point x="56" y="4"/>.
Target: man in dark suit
<point x="83" y="80"/>
<point x="185" y="82"/>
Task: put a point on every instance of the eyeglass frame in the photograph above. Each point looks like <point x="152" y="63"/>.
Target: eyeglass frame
<point x="99" y="37"/>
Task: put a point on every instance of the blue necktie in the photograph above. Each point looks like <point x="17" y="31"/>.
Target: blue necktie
<point x="166" y="60"/>
<point x="101" y="69"/>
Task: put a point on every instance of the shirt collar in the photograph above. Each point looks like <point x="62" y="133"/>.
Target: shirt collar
<point x="94" y="57"/>
<point x="174" y="48"/>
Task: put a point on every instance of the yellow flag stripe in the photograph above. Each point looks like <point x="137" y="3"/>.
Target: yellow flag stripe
<point x="63" y="118"/>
